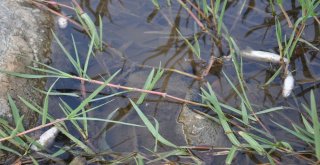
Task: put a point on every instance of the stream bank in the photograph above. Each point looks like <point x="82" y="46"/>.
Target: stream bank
<point x="25" y="36"/>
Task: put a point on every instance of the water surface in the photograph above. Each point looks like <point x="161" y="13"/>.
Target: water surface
<point x="140" y="37"/>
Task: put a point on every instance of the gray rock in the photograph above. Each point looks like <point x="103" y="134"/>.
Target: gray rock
<point x="199" y="130"/>
<point x="24" y="36"/>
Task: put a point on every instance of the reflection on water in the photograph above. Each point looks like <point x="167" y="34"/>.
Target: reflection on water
<point x="141" y="36"/>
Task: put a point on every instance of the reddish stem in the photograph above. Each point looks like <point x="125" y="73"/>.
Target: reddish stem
<point x="193" y="16"/>
<point x="34" y="129"/>
<point x="140" y="90"/>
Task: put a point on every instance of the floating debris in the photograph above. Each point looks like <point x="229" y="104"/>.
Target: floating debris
<point x="46" y="139"/>
<point x="62" y="22"/>
<point x="262" y="56"/>
<point x="288" y="85"/>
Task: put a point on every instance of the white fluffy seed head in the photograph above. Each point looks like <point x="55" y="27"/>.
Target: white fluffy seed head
<point x="288" y="85"/>
<point x="62" y="22"/>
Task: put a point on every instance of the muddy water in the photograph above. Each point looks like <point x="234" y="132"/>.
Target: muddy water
<point x="142" y="36"/>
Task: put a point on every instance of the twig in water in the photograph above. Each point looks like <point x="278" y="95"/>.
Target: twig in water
<point x="199" y="11"/>
<point x="205" y="73"/>
<point x="142" y="91"/>
<point x="56" y="13"/>
<point x="317" y="19"/>
<point x="193" y="16"/>
<point x="34" y="129"/>
<point x="286" y="16"/>
<point x="175" y="71"/>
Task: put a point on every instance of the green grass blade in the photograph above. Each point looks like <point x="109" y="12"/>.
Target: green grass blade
<point x="34" y="161"/>
<point x="15" y="112"/>
<point x="68" y="55"/>
<point x="91" y="96"/>
<point x="105" y="120"/>
<point x="157" y="138"/>
<point x="244" y="113"/>
<point x="76" y="51"/>
<point x="316" y="124"/>
<point x="66" y="110"/>
<point x="205" y="7"/>
<point x="197" y="46"/>
<point x="215" y="106"/>
<point x="34" y="107"/>
<point x="307" y="125"/>
<point x="193" y="49"/>
<point x="151" y="128"/>
<point x="29" y="76"/>
<point x="269" y="110"/>
<point x="92" y="29"/>
<point x="56" y="93"/>
<point x="146" y="86"/>
<point x="2" y="147"/>
<point x="156" y="3"/>
<point x="150" y="83"/>
<point x="298" y="135"/>
<point x="88" y="58"/>
<point x="232" y="153"/>
<point x="253" y="143"/>
<point x="77" y="141"/>
<point x="45" y="108"/>
<point x="273" y="76"/>
<point x="302" y="131"/>
<point x="221" y="16"/>
<point x="101" y="32"/>
<point x="109" y="96"/>
<point x="164" y="155"/>
<point x="43" y="71"/>
<point x="19" y="126"/>
<point x="236" y="111"/>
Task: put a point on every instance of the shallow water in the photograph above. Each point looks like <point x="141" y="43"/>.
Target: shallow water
<point x="141" y="36"/>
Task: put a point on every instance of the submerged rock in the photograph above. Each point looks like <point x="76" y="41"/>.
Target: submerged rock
<point x="200" y="130"/>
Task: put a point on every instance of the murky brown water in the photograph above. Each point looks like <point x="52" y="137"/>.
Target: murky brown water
<point x="142" y="36"/>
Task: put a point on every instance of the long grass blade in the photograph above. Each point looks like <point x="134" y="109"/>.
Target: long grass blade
<point x="253" y="143"/>
<point x="19" y="126"/>
<point x="151" y="81"/>
<point x="91" y="96"/>
<point x="105" y="120"/>
<point x="215" y="106"/>
<point x="45" y="108"/>
<point x="269" y="110"/>
<point x="2" y="147"/>
<point x="273" y="77"/>
<point x="15" y="112"/>
<point x="151" y="128"/>
<point x="68" y="55"/>
<point x="300" y="136"/>
<point x="316" y="124"/>
<point x="232" y="153"/>
<point x="244" y="113"/>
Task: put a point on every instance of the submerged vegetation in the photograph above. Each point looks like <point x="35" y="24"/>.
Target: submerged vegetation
<point x="243" y="124"/>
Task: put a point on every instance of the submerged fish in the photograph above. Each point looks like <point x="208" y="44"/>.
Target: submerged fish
<point x="46" y="139"/>
<point x="288" y="85"/>
<point x="262" y="56"/>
